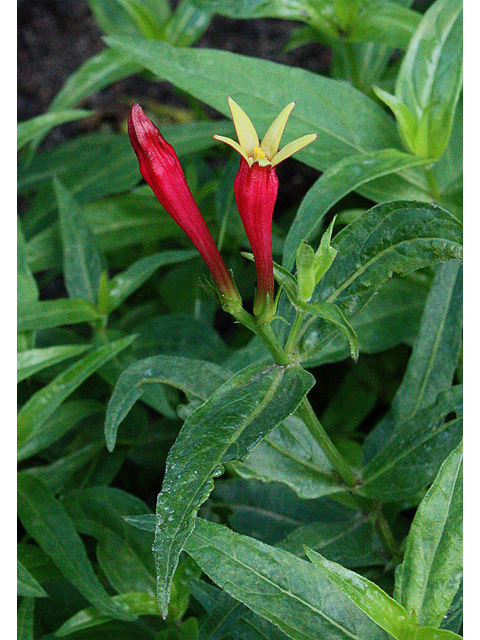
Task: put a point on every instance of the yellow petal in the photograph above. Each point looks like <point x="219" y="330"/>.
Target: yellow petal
<point x="247" y="136"/>
<point x="271" y="140"/>
<point x="235" y="145"/>
<point x="292" y="147"/>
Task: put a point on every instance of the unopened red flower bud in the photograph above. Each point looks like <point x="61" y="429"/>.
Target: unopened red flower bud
<point x="160" y="167"/>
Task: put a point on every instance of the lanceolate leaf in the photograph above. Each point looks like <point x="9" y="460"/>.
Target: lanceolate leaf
<point x="25" y="619"/>
<point x="395" y="237"/>
<point x="124" y="553"/>
<point x="378" y="605"/>
<point x="430" y="77"/>
<point x="34" y="360"/>
<point x="214" y="75"/>
<point x="27" y="585"/>
<point x="225" y="428"/>
<point x="94" y="74"/>
<point x="194" y="377"/>
<point x="41" y="125"/>
<point x="288" y="591"/>
<point x="290" y="454"/>
<point x="432" y="565"/>
<point x="44" y="314"/>
<point x="135" y="603"/>
<point x="331" y="313"/>
<point x="44" y="518"/>
<point x="434" y="358"/>
<point x="65" y="417"/>
<point x="368" y="597"/>
<point x="27" y="288"/>
<point x="336" y="182"/>
<point x="124" y="284"/>
<point x="43" y="404"/>
<point x="82" y="261"/>
<point x="411" y="459"/>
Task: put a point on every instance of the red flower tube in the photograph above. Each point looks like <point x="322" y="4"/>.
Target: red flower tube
<point x="256" y="187"/>
<point x="160" y="167"/>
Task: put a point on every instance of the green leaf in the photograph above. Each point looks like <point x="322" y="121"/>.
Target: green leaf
<point x="246" y="9"/>
<point x="270" y="511"/>
<point x="212" y="76"/>
<point x="96" y="165"/>
<point x="27" y="585"/>
<point x="226" y="427"/>
<point x="333" y="314"/>
<point x="394" y="237"/>
<point x="432" y="566"/>
<point x="194" y="377"/>
<point x="60" y="422"/>
<point x="430" y="633"/>
<point x="25" y="619"/>
<point x="123" y="553"/>
<point x="124" y="284"/>
<point x="40" y="407"/>
<point x="290" y="454"/>
<point x="179" y="335"/>
<point x="430" y="79"/>
<point x="54" y="313"/>
<point x="91" y="167"/>
<point x="137" y="604"/>
<point x="366" y="595"/>
<point x="97" y="72"/>
<point x="352" y="543"/>
<point x="361" y="126"/>
<point x="82" y="261"/>
<point x="453" y="619"/>
<point x="27" y="288"/>
<point x="116" y="222"/>
<point x="412" y="457"/>
<point x="343" y="177"/>
<point x="186" y="25"/>
<point x="44" y="518"/>
<point x="385" y="22"/>
<point x="57" y="474"/>
<point x="34" y="360"/>
<point x="434" y="358"/>
<point x="248" y="627"/>
<point x="41" y="125"/>
<point x="288" y="591"/>
<point x="115" y="17"/>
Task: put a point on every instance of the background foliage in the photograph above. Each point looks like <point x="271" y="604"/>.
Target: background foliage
<point x="132" y="382"/>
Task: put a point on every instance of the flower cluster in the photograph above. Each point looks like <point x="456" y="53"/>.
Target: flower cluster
<point x="256" y="187"/>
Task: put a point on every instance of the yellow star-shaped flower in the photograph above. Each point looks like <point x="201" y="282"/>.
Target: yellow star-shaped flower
<point x="266" y="152"/>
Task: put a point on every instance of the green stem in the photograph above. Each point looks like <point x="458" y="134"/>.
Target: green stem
<point x="304" y="410"/>
<point x="386" y="535"/>
<point x="265" y="333"/>
<point x="335" y="458"/>
<point x="292" y="336"/>
<point x="432" y="182"/>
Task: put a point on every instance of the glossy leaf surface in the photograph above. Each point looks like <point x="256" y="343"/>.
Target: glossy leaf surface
<point x="432" y="567"/>
<point x="258" y="399"/>
<point x="45" y="519"/>
<point x="282" y="588"/>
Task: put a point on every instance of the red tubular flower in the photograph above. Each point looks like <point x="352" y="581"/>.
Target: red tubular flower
<point x="256" y="190"/>
<point x="256" y="187"/>
<point x="161" y="169"/>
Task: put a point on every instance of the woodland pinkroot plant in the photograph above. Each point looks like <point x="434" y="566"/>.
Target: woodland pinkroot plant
<point x="180" y="477"/>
